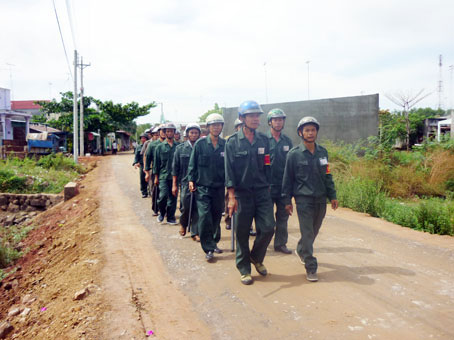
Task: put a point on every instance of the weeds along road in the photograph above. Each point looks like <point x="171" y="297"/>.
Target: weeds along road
<point x="376" y="280"/>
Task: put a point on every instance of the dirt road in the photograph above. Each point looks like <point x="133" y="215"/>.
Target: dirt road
<point x="376" y="280"/>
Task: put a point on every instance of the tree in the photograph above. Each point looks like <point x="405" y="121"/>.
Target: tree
<point x="406" y="101"/>
<point x="105" y="117"/>
<point x="216" y="109"/>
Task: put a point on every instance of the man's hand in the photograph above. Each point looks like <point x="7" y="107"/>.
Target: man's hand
<point x="136" y="165"/>
<point x="192" y="187"/>
<point x="334" y="204"/>
<point x="147" y="177"/>
<point x="289" y="209"/>
<point x="156" y="180"/>
<point x="232" y="205"/>
<point x="174" y="190"/>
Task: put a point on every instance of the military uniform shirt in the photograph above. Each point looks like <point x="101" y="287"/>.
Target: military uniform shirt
<point x="206" y="165"/>
<point x="278" y="154"/>
<point x="247" y="166"/>
<point x="137" y="157"/>
<point x="162" y="160"/>
<point x="308" y="175"/>
<point x="149" y="154"/>
<point x="181" y="162"/>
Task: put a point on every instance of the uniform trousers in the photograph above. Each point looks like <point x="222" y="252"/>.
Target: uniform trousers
<point x="255" y="204"/>
<point x="281" y="232"/>
<point x="185" y="198"/>
<point x="143" y="183"/>
<point x="210" y="204"/>
<point x="167" y="203"/>
<point x="311" y="212"/>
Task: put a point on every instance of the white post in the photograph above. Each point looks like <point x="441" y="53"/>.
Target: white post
<point x="82" y="151"/>
<point x="75" y="120"/>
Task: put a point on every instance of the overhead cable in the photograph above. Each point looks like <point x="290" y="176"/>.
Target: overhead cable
<point x="62" y="40"/>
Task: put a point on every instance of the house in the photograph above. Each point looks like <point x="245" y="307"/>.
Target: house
<point x="61" y="143"/>
<point x="27" y="106"/>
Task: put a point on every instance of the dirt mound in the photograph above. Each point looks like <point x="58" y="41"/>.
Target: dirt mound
<point x="53" y="292"/>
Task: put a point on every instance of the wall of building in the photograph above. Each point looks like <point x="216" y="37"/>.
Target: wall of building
<point x="345" y="119"/>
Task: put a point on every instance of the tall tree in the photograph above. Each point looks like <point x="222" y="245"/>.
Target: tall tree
<point x="407" y="100"/>
<point x="98" y="115"/>
<point x="216" y="109"/>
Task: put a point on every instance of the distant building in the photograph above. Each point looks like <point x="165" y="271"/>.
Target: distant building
<point x="26" y="106"/>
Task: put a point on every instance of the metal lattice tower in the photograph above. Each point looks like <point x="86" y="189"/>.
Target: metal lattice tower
<point x="440" y="82"/>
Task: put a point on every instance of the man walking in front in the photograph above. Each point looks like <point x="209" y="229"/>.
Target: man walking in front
<point x="308" y="179"/>
<point x="247" y="178"/>
<point x="206" y="178"/>
<point x="280" y="145"/>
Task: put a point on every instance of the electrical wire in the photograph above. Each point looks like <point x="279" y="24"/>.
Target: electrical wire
<point x="62" y="40"/>
<point x="70" y="17"/>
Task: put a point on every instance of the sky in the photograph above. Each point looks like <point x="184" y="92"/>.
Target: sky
<point x="191" y="54"/>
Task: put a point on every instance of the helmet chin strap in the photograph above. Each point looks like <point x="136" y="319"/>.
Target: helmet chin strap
<point x="250" y="129"/>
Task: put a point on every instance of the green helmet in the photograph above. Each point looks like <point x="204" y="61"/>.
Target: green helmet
<point x="275" y="113"/>
<point x="214" y="118"/>
<point x="308" y="120"/>
<point x="237" y="123"/>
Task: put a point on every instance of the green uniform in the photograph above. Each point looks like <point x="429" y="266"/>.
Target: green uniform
<point x="138" y="159"/>
<point x="278" y="155"/>
<point x="180" y="170"/>
<point x="206" y="170"/>
<point x="307" y="178"/>
<point x="149" y="156"/>
<point x="162" y="167"/>
<point x="247" y="170"/>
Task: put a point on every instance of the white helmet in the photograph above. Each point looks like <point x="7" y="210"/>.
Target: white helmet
<point x="192" y="126"/>
<point x="214" y="118"/>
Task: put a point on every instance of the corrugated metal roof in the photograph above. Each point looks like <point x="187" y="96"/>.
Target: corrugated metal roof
<point x="25" y="104"/>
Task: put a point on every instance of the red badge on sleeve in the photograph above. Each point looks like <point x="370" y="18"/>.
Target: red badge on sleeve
<point x="267" y="160"/>
<point x="328" y="171"/>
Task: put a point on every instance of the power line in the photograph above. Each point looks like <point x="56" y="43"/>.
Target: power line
<point x="70" y="17"/>
<point x="62" y="40"/>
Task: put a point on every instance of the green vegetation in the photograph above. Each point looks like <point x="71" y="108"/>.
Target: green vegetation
<point x="413" y="189"/>
<point x="47" y="175"/>
<point x="10" y="237"/>
<point x="216" y="109"/>
<point x="102" y="116"/>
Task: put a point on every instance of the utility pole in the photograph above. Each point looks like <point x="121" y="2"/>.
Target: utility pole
<point x="451" y="68"/>
<point x="82" y="66"/>
<point x="440" y="82"/>
<point x="75" y="120"/>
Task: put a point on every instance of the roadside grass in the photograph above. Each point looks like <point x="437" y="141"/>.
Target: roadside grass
<point x="49" y="174"/>
<point x="413" y="189"/>
<point x="10" y="237"/>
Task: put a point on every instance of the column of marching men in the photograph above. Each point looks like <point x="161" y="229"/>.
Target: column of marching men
<point x="247" y="176"/>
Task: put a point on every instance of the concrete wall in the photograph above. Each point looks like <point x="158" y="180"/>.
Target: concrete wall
<point x="345" y="119"/>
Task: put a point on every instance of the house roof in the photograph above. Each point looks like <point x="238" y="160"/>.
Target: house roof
<point x="124" y="132"/>
<point x="43" y="128"/>
<point x="25" y="104"/>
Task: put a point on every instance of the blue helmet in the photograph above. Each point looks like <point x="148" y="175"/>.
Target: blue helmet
<point x="249" y="106"/>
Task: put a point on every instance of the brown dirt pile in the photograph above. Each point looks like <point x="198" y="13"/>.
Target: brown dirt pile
<point x="39" y="298"/>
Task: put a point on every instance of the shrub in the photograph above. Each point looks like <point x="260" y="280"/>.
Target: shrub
<point x="436" y="216"/>
<point x="7" y="255"/>
<point x="58" y="162"/>
<point x="362" y="195"/>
